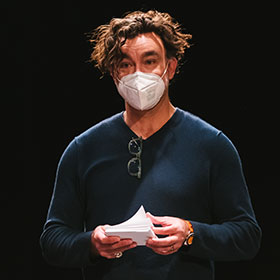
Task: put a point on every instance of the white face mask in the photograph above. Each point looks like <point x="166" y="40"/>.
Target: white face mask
<point x="141" y="90"/>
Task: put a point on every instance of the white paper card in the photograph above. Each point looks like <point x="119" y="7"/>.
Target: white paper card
<point x="138" y="228"/>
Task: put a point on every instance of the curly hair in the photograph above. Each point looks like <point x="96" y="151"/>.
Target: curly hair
<point x="108" y="39"/>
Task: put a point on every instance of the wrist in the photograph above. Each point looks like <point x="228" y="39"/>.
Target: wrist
<point x="189" y="234"/>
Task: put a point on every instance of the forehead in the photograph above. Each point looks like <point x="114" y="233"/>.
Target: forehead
<point x="143" y="43"/>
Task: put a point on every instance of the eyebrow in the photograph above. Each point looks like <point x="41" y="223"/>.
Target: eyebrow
<point x="145" y="54"/>
<point x="150" y="53"/>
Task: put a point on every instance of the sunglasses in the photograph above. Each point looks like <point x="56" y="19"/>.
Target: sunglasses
<point x="134" y="164"/>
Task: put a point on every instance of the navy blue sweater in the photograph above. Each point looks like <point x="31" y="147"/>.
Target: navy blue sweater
<point x="189" y="170"/>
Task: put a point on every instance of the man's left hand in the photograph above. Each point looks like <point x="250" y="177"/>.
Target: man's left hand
<point x="176" y="230"/>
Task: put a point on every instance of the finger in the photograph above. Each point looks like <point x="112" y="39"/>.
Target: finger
<point x="157" y="219"/>
<point x="111" y="252"/>
<point x="101" y="237"/>
<point x="162" y="242"/>
<point x="165" y="230"/>
<point x="126" y="247"/>
<point x="122" y="243"/>
<point x="166" y="250"/>
<point x="110" y="240"/>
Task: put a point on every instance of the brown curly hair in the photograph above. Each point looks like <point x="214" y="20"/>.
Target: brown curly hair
<point x="108" y="39"/>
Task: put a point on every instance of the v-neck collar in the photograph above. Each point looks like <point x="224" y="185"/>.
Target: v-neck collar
<point x="171" y="122"/>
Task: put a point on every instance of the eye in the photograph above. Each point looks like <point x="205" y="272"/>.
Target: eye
<point x="125" y="64"/>
<point x="150" y="61"/>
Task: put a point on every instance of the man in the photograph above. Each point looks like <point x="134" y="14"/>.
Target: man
<point x="185" y="172"/>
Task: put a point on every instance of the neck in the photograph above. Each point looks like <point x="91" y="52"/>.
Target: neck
<point x="146" y="123"/>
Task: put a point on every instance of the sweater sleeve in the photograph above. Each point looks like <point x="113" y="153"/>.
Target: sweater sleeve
<point x="63" y="241"/>
<point x="234" y="233"/>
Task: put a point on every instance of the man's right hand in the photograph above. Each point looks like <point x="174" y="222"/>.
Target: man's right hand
<point x="109" y="246"/>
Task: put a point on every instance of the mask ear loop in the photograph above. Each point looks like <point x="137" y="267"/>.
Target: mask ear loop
<point x="117" y="78"/>
<point x="165" y="70"/>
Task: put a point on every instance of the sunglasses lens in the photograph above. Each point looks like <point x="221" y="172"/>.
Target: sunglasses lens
<point x="134" y="146"/>
<point x="134" y="166"/>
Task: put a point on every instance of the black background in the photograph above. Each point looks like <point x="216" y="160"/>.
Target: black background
<point x="53" y="94"/>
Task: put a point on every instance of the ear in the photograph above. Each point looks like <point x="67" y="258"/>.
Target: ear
<point x="172" y="66"/>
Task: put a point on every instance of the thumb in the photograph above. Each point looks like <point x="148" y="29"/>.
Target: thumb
<point x="156" y="219"/>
